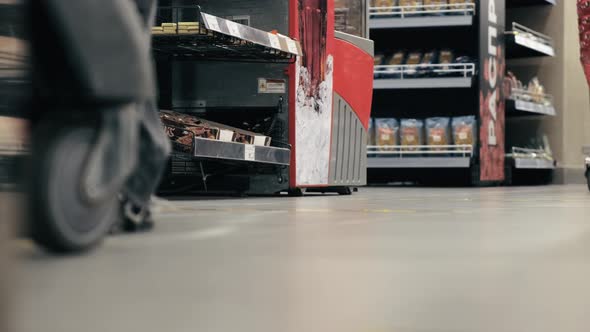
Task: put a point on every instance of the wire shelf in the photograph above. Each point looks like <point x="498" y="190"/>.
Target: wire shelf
<point x="215" y="38"/>
<point x="439" y="69"/>
<point x="526" y="102"/>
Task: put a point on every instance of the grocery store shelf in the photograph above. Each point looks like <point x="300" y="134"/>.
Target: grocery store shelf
<point x="525" y="3"/>
<point x="429" y="16"/>
<point x="524" y="42"/>
<point x="215" y="38"/>
<point x="218" y="150"/>
<point x="522" y="102"/>
<point x="458" y="75"/>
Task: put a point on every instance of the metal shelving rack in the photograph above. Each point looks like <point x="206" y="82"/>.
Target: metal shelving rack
<point x="524" y="107"/>
<point x="222" y="40"/>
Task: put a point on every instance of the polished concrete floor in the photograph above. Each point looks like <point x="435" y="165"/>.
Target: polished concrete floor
<point x="384" y="259"/>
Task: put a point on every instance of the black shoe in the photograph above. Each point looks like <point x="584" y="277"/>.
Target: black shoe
<point x="134" y="219"/>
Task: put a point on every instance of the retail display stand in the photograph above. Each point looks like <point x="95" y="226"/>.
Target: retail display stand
<point x="301" y="90"/>
<point x="471" y="84"/>
<point x="436" y="89"/>
<point x="528" y="157"/>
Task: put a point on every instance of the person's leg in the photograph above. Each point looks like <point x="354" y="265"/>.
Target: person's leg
<point x="154" y="148"/>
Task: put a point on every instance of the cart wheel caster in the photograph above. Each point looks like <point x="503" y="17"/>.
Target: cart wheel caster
<point x="344" y="191"/>
<point x="297" y="192"/>
<point x="61" y="220"/>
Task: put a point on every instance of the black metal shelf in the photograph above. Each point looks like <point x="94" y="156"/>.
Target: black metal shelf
<point x="216" y="38"/>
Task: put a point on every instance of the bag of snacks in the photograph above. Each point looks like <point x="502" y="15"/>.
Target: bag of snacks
<point x="436" y="5"/>
<point x="445" y="57"/>
<point x="386" y="133"/>
<point x="464" y="130"/>
<point x="398" y="58"/>
<point x="537" y="91"/>
<point x="414" y="60"/>
<point x="438" y="131"/>
<point x="409" y="7"/>
<point x="461" y="5"/>
<point x="383" y="4"/>
<point x="371" y="132"/>
<point x="378" y="61"/>
<point x="411" y="133"/>
<point x="429" y="58"/>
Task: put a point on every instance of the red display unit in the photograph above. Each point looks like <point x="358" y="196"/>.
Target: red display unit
<point x="331" y="88"/>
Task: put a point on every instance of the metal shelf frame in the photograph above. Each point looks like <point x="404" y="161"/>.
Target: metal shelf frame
<point x="421" y="16"/>
<point x="526" y="3"/>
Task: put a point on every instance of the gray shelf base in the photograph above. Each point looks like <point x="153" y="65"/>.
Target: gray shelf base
<point x="210" y="149"/>
<point x="526" y="163"/>
<point x="423" y="83"/>
<point x="420" y="22"/>
<point x="419" y="162"/>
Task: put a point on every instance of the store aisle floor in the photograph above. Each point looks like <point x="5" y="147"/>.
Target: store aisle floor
<point x="385" y="259"/>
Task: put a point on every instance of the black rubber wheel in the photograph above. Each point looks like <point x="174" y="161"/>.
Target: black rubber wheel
<point x="61" y="220"/>
<point x="344" y="191"/>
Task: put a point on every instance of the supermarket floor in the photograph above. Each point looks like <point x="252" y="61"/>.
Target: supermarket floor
<point x="385" y="259"/>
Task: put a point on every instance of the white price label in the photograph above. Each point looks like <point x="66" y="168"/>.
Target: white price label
<point x="462" y="136"/>
<point x="385" y="137"/>
<point x="249" y="152"/>
<point x="212" y="22"/>
<point x="437" y="138"/>
<point x="410" y="138"/>
<point x="292" y="46"/>
<point x="234" y="29"/>
<point x="274" y="41"/>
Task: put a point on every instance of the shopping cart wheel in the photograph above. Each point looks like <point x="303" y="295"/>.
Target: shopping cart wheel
<point x="61" y="220"/>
